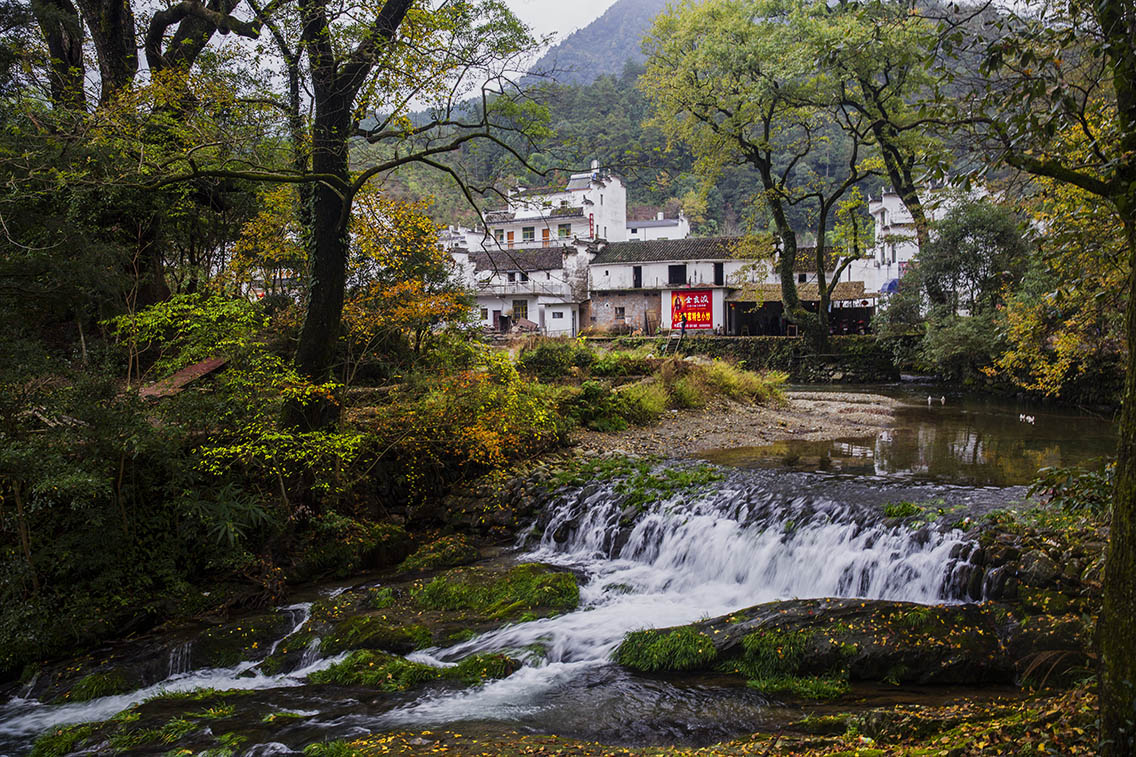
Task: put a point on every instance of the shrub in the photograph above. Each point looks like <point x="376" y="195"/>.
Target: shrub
<point x="555" y="358"/>
<point x="1075" y="489"/>
<point x="737" y="384"/>
<point x="687" y="394"/>
<point x="446" y="428"/>
<point x="594" y="406"/>
<point x="622" y="363"/>
<point x="642" y="403"/>
<point x="341" y="546"/>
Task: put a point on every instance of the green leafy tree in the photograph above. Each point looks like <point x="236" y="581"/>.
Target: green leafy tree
<point x="1069" y="68"/>
<point x="974" y="257"/>
<point x="955" y="290"/>
<point x="737" y="81"/>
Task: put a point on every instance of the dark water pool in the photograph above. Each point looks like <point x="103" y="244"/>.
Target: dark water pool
<point x="977" y="441"/>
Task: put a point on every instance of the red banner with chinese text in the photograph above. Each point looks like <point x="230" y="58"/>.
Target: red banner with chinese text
<point x="696" y="305"/>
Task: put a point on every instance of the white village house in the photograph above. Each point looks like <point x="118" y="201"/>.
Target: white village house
<point x="591" y="206"/>
<point x="659" y="227"/>
<point x="896" y="243"/>
<point x="539" y="289"/>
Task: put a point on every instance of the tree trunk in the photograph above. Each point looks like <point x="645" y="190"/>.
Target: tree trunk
<point x="790" y="300"/>
<point x="63" y="31"/>
<point x="820" y="338"/>
<point x="327" y="260"/>
<point x="1114" y="630"/>
<point x="111" y="23"/>
<point x="25" y="538"/>
<point x="899" y="172"/>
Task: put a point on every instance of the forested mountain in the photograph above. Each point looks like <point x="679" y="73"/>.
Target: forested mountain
<point x="607" y="120"/>
<point x="603" y="46"/>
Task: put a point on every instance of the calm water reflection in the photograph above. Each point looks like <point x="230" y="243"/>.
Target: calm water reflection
<point x="976" y="441"/>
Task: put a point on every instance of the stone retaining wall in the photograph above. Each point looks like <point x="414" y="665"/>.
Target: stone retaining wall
<point x="853" y="359"/>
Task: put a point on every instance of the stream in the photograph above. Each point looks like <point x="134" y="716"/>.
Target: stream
<point x="795" y="520"/>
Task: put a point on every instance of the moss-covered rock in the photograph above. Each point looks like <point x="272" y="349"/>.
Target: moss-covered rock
<point x="374" y="632"/>
<point x="191" y="722"/>
<point x="61" y="741"/>
<point x="813" y="647"/>
<point x="416" y="614"/>
<point x="247" y="639"/>
<point x="525" y="588"/>
<point x="446" y="552"/>
<point x="391" y="673"/>
<point x="96" y="685"/>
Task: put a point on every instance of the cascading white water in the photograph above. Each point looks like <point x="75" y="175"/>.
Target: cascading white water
<point x="180" y="659"/>
<point x="685" y="559"/>
<point x="755" y="538"/>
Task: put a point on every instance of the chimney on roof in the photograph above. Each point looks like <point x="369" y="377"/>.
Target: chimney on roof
<point x="595" y="165"/>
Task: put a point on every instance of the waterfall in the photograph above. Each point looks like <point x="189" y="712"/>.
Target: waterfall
<point x="758" y="537"/>
<point x="180" y="659"/>
<point x="755" y="546"/>
<point x="754" y="537"/>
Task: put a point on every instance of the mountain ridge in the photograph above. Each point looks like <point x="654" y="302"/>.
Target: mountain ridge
<point x="604" y="46"/>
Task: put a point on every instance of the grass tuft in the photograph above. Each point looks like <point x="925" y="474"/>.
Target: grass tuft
<point x="651" y="651"/>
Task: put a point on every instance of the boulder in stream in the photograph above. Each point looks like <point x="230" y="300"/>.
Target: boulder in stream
<point x="812" y="647"/>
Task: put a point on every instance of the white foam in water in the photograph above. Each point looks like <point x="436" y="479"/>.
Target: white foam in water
<point x="682" y="562"/>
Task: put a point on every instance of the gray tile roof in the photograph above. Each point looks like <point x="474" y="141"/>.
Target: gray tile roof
<point x="654" y="223"/>
<point x="695" y="248"/>
<point x="532" y="259"/>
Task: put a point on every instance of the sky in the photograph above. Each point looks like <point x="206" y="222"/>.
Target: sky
<point x="561" y="17"/>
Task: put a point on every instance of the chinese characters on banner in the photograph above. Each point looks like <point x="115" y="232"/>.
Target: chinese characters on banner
<point x="696" y="305"/>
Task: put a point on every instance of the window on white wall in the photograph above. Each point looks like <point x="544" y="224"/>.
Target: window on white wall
<point x="557" y="315"/>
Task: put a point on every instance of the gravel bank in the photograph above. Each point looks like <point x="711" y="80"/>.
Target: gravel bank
<point x="814" y="416"/>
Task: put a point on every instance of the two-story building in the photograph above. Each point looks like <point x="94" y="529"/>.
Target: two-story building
<point x="647" y="286"/>
<point x="590" y="206"/>
<point x="715" y="285"/>
<point x="538" y="289"/>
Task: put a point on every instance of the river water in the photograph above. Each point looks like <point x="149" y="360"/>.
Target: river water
<point x="791" y="520"/>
